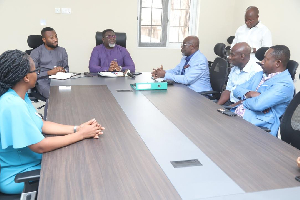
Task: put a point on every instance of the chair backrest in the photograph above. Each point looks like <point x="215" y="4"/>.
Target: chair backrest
<point x="220" y="50"/>
<point x="291" y="65"/>
<point x="260" y="53"/>
<point x="33" y="42"/>
<point x="120" y="39"/>
<point x="230" y="39"/>
<point x="218" y="74"/>
<point x="290" y="123"/>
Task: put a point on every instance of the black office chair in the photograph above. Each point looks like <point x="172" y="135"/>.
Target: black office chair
<point x="218" y="73"/>
<point x="229" y="40"/>
<point x="290" y="123"/>
<point x="31" y="180"/>
<point x="33" y="42"/>
<point x="120" y="39"/>
<point x="291" y="65"/>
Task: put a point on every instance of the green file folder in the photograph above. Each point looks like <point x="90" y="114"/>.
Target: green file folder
<point x="150" y="86"/>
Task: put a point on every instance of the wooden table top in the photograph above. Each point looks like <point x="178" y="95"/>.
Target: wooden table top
<point x="116" y="166"/>
<point x="253" y="158"/>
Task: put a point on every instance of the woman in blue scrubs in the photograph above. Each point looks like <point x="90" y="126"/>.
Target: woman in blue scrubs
<point x="21" y="140"/>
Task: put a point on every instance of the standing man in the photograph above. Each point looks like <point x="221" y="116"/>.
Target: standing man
<point x="109" y="56"/>
<point x="50" y="58"/>
<point x="253" y="32"/>
<point x="192" y="70"/>
<point x="265" y="97"/>
<point x="243" y="69"/>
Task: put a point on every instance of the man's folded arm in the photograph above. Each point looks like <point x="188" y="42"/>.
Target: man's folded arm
<point x="275" y="95"/>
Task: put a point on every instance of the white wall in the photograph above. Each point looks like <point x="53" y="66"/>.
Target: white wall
<point x="218" y="20"/>
<point x="215" y="24"/>
<point x="282" y="18"/>
<point x="76" y="31"/>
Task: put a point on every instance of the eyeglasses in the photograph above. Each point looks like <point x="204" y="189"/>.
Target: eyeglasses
<point x="110" y="36"/>
<point x="36" y="70"/>
<point x="184" y="45"/>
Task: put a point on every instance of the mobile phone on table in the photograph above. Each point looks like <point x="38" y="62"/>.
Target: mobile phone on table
<point x="226" y="112"/>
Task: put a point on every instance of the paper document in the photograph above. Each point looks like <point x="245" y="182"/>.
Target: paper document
<point x="61" y="75"/>
<point x="111" y="74"/>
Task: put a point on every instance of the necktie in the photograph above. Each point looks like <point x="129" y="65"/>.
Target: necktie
<point x="185" y="65"/>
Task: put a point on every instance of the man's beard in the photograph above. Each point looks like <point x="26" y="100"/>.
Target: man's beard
<point x="112" y="45"/>
<point x="52" y="46"/>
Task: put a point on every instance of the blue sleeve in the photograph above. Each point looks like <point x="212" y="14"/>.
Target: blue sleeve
<point x="277" y="94"/>
<point x="176" y="70"/>
<point x="17" y="126"/>
<point x="230" y="85"/>
<point x="198" y="68"/>
<point x="242" y="89"/>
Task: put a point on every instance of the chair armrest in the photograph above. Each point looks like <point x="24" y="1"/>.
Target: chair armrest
<point x="28" y="176"/>
<point x="210" y="63"/>
<point x="265" y="129"/>
<point x="208" y="92"/>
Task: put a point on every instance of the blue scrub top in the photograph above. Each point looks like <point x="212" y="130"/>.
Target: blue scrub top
<point x="20" y="127"/>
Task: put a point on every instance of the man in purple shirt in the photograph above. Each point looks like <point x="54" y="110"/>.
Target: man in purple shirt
<point x="109" y="56"/>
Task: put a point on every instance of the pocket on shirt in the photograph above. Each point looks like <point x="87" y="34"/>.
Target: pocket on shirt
<point x="266" y="118"/>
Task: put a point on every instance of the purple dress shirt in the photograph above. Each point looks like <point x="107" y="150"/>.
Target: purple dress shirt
<point x="101" y="58"/>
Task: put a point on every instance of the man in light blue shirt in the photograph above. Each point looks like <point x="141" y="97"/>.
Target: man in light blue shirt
<point x="192" y="70"/>
<point x="243" y="69"/>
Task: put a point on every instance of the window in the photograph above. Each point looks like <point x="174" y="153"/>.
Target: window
<point x="165" y="23"/>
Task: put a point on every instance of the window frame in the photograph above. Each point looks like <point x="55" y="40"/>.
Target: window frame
<point x="166" y="8"/>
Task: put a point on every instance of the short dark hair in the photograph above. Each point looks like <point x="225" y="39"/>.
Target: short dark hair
<point x="46" y="29"/>
<point x="14" y="65"/>
<point x="281" y="52"/>
<point x="106" y="30"/>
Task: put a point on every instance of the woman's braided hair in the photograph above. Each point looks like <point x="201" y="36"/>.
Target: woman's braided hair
<point x="14" y="65"/>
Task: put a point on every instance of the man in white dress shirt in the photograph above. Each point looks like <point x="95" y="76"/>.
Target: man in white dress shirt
<point x="243" y="69"/>
<point x="253" y="32"/>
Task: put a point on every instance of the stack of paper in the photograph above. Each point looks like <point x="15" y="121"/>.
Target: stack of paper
<point x="61" y="75"/>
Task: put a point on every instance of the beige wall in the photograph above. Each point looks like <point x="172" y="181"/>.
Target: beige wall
<point x="77" y="31"/>
<point x="218" y="20"/>
<point x="215" y="24"/>
<point x="282" y="18"/>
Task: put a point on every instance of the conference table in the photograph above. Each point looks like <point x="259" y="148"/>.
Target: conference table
<point x="161" y="144"/>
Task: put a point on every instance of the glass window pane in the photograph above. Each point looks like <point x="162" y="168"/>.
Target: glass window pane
<point x="174" y="17"/>
<point x="173" y="34"/>
<point x="145" y="33"/>
<point x="185" y="4"/>
<point x="175" y="4"/>
<point x="183" y="33"/>
<point x="156" y="34"/>
<point x="157" y="4"/>
<point x="146" y="16"/>
<point x="156" y="16"/>
<point x="146" y="3"/>
<point x="184" y="18"/>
